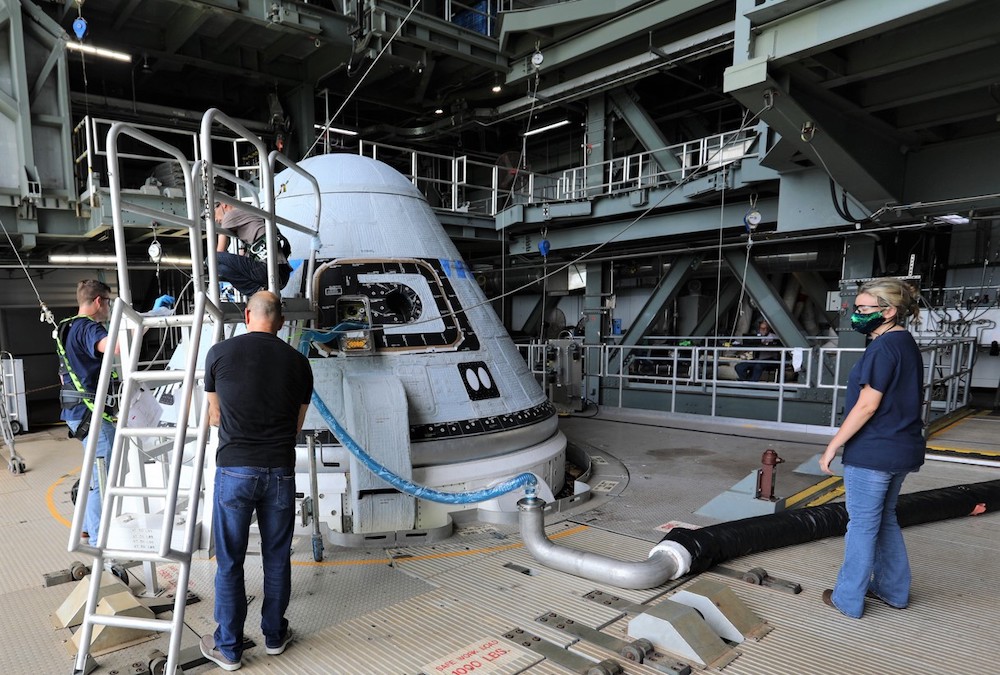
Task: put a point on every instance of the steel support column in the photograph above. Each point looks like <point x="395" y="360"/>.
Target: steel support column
<point x="645" y="130"/>
<point x="593" y="331"/>
<point x="669" y="284"/>
<point x="766" y="298"/>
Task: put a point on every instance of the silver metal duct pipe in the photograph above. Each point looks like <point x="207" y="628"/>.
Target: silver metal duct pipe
<point x="668" y="559"/>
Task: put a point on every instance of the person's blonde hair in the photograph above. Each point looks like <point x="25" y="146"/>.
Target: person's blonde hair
<point x="891" y="292"/>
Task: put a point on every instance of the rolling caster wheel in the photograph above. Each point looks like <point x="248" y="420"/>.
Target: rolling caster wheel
<point x="120" y="572"/>
<point x="157" y="663"/>
<point x="78" y="570"/>
<point x="15" y="427"/>
<point x="318" y="550"/>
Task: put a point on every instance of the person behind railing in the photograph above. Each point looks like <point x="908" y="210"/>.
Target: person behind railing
<point x="753" y="369"/>
<point x="247" y="270"/>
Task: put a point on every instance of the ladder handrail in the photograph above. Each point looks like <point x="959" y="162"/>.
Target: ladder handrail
<point x="215" y="116"/>
<point x="272" y="160"/>
<point x="117" y="206"/>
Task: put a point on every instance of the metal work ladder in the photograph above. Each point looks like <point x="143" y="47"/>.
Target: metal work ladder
<point x="8" y="394"/>
<point x="192" y="417"/>
<point x="127" y="326"/>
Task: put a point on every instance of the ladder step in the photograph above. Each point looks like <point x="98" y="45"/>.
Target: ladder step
<point x="163" y="375"/>
<point x="139" y="555"/>
<point x="137" y="491"/>
<point x="174" y="320"/>
<point x="157" y="625"/>
<point x="191" y="433"/>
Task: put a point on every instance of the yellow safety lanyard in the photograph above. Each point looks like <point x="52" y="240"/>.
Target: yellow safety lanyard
<point x="58" y="335"/>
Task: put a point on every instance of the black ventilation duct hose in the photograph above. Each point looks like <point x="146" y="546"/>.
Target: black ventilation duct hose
<point x="716" y="544"/>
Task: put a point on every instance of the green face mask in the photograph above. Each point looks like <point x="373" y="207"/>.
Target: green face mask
<point x="866" y="323"/>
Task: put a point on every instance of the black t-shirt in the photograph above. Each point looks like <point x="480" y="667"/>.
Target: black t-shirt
<point x="261" y="383"/>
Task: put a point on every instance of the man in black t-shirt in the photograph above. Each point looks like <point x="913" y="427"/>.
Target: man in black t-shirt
<point x="258" y="390"/>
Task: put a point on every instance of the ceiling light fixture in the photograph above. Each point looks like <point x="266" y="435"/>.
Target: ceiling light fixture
<point x="953" y="219"/>
<point x="439" y="111"/>
<point x="101" y="259"/>
<point x="82" y="259"/>
<point x="497" y="87"/>
<point x="337" y="130"/>
<point x="547" y="127"/>
<point x="99" y="51"/>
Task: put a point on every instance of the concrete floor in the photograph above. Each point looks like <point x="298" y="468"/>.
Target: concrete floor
<point x="403" y="610"/>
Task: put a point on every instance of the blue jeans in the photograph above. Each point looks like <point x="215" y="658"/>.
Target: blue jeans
<point x="246" y="274"/>
<point x="106" y="438"/>
<point x="753" y="371"/>
<point x="875" y="557"/>
<point x="239" y="491"/>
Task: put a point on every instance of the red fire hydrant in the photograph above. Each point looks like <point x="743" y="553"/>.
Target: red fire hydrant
<point x="767" y="474"/>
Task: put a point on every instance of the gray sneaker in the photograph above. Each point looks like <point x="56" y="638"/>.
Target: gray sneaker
<point x="209" y="651"/>
<point x="280" y="648"/>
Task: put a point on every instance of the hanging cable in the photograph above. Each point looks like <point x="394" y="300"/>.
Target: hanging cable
<point x="46" y="314"/>
<point x="385" y="47"/>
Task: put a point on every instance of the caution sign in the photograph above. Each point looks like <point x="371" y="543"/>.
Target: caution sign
<point x="481" y="658"/>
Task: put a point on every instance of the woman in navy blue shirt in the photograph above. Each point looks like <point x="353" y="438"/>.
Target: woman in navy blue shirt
<point x="882" y="437"/>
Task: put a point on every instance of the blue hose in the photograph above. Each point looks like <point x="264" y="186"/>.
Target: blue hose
<point x="525" y="480"/>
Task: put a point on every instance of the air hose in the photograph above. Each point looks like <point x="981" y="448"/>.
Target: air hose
<point x="526" y="480"/>
<point x="685" y="551"/>
<point x="710" y="546"/>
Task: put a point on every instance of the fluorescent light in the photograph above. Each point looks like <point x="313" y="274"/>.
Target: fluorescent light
<point x="82" y="259"/>
<point x="953" y="219"/>
<point x="98" y="51"/>
<point x="336" y="130"/>
<point x="547" y="127"/>
<point x="97" y="259"/>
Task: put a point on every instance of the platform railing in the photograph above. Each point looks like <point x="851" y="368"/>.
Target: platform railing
<point x="685" y="369"/>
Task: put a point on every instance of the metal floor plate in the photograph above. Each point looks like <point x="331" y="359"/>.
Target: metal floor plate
<point x="421" y="609"/>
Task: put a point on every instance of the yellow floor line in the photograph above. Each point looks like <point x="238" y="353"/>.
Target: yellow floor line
<point x="960" y="420"/>
<point x="824" y="484"/>
<point x="828" y="497"/>
<point x="50" y="498"/>
<point x="966" y="451"/>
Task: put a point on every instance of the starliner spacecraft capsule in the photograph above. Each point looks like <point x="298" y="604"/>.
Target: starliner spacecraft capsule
<point x="430" y="384"/>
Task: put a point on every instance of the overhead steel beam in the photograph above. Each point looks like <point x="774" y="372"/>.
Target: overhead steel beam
<point x="828" y="25"/>
<point x="123" y="12"/>
<point x="628" y="70"/>
<point x="644" y="129"/>
<point x="435" y="35"/>
<point x="588" y="233"/>
<point x="549" y="16"/>
<point x="638" y="21"/>
<point x="941" y="80"/>
<point x="766" y="298"/>
<point x="863" y="159"/>
<point x="959" y="32"/>
<point x="182" y="25"/>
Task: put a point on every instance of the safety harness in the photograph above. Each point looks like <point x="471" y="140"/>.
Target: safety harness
<point x="73" y="392"/>
<point x="258" y="249"/>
